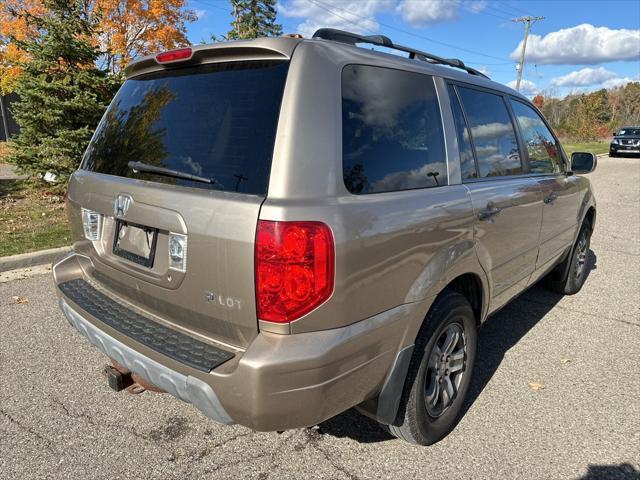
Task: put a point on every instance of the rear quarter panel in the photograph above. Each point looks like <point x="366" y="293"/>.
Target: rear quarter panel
<point x="391" y="248"/>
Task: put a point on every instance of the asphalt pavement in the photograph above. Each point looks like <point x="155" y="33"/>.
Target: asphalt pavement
<point x="556" y="393"/>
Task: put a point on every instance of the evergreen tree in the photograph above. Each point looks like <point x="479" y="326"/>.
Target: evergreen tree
<point x="253" y="18"/>
<point x="62" y="93"/>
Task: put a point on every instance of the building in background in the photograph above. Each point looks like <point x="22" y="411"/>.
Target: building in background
<point x="8" y="125"/>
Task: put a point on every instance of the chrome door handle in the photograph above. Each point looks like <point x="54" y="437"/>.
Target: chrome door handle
<point x="489" y="213"/>
<point x="549" y="199"/>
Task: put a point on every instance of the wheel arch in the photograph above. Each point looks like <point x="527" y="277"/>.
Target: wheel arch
<point x="469" y="285"/>
<point x="590" y="216"/>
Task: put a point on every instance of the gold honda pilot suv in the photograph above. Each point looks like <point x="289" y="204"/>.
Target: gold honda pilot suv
<point x="277" y="230"/>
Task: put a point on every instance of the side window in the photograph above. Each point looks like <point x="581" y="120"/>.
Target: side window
<point x="392" y="135"/>
<point x="544" y="152"/>
<point x="492" y="133"/>
<point x="467" y="162"/>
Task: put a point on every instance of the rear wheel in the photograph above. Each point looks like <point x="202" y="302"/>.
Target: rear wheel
<point x="440" y="372"/>
<point x="569" y="277"/>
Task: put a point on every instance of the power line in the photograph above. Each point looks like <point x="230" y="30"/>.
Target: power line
<point x="511" y="7"/>
<point x="324" y="7"/>
<point x="528" y="21"/>
<point x="504" y="15"/>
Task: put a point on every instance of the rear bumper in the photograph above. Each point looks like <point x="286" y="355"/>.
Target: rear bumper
<point x="279" y="381"/>
<point x="184" y="387"/>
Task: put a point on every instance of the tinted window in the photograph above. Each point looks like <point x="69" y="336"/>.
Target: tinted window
<point x="214" y="121"/>
<point x="492" y="133"/>
<point x="543" y="150"/>
<point x="391" y="131"/>
<point x="467" y="162"/>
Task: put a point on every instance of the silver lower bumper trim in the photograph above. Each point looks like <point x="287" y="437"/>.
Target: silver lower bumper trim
<point x="185" y="387"/>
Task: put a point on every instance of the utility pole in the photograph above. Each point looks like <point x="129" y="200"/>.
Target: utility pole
<point x="528" y="21"/>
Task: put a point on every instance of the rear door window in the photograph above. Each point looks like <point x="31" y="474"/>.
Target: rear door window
<point x="542" y="148"/>
<point x="492" y="133"/>
<point x="214" y="121"/>
<point x="392" y="136"/>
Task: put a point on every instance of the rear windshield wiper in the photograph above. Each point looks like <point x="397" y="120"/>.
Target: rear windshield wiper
<point x="145" y="167"/>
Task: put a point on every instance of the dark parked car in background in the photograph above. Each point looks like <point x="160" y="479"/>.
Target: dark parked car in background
<point x="627" y="140"/>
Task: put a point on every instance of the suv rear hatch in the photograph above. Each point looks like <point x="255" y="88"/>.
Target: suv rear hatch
<point x="180" y="247"/>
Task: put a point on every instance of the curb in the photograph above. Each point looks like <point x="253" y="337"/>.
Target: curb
<point x="32" y="258"/>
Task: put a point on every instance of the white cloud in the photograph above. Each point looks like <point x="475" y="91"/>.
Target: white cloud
<point x="200" y="13"/>
<point x="360" y="15"/>
<point x="483" y="69"/>
<point x="582" y="78"/>
<point x="425" y="12"/>
<point x="618" y="82"/>
<point x="527" y="87"/>
<point x="582" y="45"/>
<point x="352" y="15"/>
<point x="475" y="6"/>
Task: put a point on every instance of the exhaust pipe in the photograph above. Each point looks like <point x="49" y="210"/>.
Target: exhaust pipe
<point x="120" y="378"/>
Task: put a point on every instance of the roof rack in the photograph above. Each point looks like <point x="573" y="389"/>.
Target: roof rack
<point x="384" y="41"/>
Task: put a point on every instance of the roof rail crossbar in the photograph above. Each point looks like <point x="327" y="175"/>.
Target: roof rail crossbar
<point x="384" y="41"/>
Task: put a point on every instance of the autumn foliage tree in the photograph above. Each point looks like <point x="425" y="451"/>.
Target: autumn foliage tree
<point x="62" y="92"/>
<point x="538" y="101"/>
<point x="15" y="26"/>
<point x="594" y="115"/>
<point x="124" y="29"/>
<point x="129" y="28"/>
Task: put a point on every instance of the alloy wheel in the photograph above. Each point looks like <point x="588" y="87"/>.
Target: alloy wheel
<point x="445" y="369"/>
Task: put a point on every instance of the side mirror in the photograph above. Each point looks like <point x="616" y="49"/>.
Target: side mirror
<point x="583" y="162"/>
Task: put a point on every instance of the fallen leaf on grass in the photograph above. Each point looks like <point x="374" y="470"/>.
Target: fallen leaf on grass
<point x="566" y="360"/>
<point x="536" y="386"/>
<point x="19" y="300"/>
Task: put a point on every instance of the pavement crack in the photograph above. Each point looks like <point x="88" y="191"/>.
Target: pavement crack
<point x="91" y="421"/>
<point x="314" y="440"/>
<point x="14" y="421"/>
<point x="223" y="464"/>
<point x="209" y="449"/>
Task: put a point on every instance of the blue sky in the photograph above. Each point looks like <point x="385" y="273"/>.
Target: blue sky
<point x="581" y="45"/>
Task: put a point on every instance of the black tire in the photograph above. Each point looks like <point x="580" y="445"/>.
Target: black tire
<point x="569" y="277"/>
<point x="450" y="313"/>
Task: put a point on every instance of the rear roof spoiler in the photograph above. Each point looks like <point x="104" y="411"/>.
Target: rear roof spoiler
<point x="259" y="49"/>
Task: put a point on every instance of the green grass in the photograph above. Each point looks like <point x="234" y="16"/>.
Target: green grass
<point x="30" y="219"/>
<point x="593" y="147"/>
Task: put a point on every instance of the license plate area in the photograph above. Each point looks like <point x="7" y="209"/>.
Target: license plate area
<point x="135" y="243"/>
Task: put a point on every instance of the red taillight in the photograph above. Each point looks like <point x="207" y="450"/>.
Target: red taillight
<point x="174" y="55"/>
<point x="294" y="268"/>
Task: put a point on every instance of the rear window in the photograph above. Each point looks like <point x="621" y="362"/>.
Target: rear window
<point x="213" y="121"/>
<point x="392" y="135"/>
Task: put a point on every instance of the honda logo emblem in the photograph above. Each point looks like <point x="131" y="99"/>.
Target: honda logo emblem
<point x="122" y="204"/>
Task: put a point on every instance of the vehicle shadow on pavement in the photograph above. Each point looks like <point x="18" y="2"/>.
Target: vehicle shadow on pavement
<point x="623" y="471"/>
<point x="496" y="336"/>
<point x="505" y="329"/>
